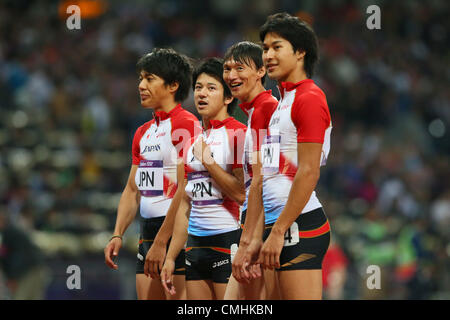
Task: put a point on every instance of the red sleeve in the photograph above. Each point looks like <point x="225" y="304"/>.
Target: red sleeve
<point x="260" y="121"/>
<point x="184" y="128"/>
<point x="311" y="117"/>
<point x="136" y="148"/>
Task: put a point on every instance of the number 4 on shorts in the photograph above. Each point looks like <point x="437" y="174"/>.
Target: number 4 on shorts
<point x="291" y="237"/>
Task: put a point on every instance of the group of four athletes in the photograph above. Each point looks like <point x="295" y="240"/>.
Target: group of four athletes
<point x="229" y="211"/>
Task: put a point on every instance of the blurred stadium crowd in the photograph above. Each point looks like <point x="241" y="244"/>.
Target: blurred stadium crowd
<point x="69" y="107"/>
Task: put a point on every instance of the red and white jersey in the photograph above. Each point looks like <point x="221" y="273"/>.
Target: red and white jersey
<point x="212" y="212"/>
<point x="259" y="111"/>
<point x="302" y="115"/>
<point x="157" y="145"/>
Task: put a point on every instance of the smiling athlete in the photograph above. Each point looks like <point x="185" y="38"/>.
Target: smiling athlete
<point x="244" y="74"/>
<point x="297" y="231"/>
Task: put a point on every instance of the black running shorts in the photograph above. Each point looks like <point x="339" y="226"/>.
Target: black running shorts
<point x="305" y="243"/>
<point x="149" y="229"/>
<point x="210" y="257"/>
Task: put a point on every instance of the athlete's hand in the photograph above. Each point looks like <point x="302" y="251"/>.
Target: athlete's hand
<point x="253" y="251"/>
<point x="269" y="257"/>
<point x="112" y="251"/>
<point x="255" y="271"/>
<point x="154" y="260"/>
<point x="167" y="276"/>
<point x="240" y="260"/>
<point x="202" y="151"/>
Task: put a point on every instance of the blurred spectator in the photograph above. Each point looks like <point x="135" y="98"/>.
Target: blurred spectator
<point x="69" y="106"/>
<point x="22" y="263"/>
<point x="334" y="271"/>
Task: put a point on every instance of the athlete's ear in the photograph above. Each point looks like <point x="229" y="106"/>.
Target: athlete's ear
<point x="261" y="72"/>
<point x="228" y="100"/>
<point x="300" y="54"/>
<point x="173" y="87"/>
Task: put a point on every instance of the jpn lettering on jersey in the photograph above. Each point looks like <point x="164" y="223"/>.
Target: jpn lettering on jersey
<point x="270" y="154"/>
<point x="149" y="178"/>
<point x="202" y="190"/>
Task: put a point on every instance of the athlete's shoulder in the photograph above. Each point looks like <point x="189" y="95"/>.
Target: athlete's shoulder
<point x="185" y="119"/>
<point x="143" y="128"/>
<point x="311" y="91"/>
<point x="235" y="124"/>
<point x="185" y="115"/>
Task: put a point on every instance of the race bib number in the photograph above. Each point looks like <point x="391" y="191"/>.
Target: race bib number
<point x="201" y="189"/>
<point x="247" y="166"/>
<point x="233" y="249"/>
<point x="150" y="178"/>
<point x="270" y="154"/>
<point x="291" y="237"/>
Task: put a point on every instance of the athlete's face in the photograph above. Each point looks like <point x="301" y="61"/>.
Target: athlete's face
<point x="208" y="96"/>
<point x="152" y="90"/>
<point x="280" y="59"/>
<point x="241" y="78"/>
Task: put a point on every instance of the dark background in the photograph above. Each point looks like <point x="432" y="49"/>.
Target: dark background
<point x="69" y="107"/>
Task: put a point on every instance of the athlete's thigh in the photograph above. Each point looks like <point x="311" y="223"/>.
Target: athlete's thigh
<point x="300" y="284"/>
<point x="179" y="282"/>
<point x="148" y="288"/>
<point x="199" y="290"/>
<point x="254" y="290"/>
<point x="219" y="290"/>
<point x="272" y="288"/>
<point x="233" y="290"/>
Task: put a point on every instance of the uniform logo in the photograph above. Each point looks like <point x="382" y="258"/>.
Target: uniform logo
<point x="156" y="147"/>
<point x="220" y="263"/>
<point x="274" y="121"/>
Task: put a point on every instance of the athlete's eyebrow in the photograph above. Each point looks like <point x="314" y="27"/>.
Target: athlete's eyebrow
<point x="276" y="42"/>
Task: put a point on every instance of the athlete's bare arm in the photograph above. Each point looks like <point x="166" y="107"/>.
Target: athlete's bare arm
<point x="155" y="256"/>
<point x="126" y="212"/>
<point x="253" y="226"/>
<point x="303" y="185"/>
<point x="179" y="239"/>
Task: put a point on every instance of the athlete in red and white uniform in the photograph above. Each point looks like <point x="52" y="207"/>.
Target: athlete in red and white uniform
<point x="244" y="74"/>
<point x="212" y="212"/>
<point x="297" y="231"/>
<point x="165" y="78"/>
<point x="258" y="110"/>
<point x="157" y="145"/>
<point x="208" y="216"/>
<point x="302" y="116"/>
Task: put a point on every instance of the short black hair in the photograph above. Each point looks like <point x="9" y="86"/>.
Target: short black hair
<point x="171" y="66"/>
<point x="298" y="33"/>
<point x="244" y="52"/>
<point x="213" y="67"/>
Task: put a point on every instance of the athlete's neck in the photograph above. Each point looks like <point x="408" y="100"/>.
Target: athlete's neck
<point x="166" y="106"/>
<point x="219" y="116"/>
<point x="295" y="76"/>
<point x="253" y="93"/>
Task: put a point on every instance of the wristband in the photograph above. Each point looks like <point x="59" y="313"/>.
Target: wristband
<point x="117" y="236"/>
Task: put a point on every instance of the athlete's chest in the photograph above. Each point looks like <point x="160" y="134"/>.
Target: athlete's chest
<point x="156" y="143"/>
<point x="281" y="123"/>
<point x="281" y="117"/>
<point x="219" y="146"/>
